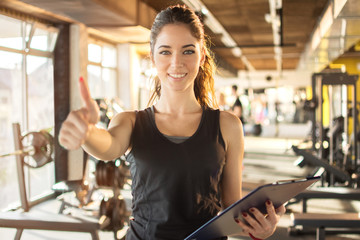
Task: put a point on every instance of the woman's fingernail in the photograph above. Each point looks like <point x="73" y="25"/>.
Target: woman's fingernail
<point x="252" y="210"/>
<point x="268" y="202"/>
<point x="244" y="214"/>
<point x="236" y="220"/>
<point x="81" y="79"/>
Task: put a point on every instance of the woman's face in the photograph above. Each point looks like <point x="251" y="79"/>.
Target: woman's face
<point x="177" y="56"/>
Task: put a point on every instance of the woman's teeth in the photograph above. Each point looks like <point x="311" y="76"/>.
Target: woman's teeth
<point x="177" y="75"/>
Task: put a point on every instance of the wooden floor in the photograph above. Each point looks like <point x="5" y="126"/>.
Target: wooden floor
<point x="266" y="160"/>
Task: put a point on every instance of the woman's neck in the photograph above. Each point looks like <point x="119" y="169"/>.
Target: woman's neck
<point x="177" y="103"/>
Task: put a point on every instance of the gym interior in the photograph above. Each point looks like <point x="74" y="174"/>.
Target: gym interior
<point x="296" y="66"/>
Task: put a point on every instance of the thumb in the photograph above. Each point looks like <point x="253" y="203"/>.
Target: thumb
<point x="84" y="92"/>
<point x="90" y="104"/>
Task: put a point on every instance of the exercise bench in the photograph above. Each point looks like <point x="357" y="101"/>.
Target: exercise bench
<point x="343" y="193"/>
<point x="322" y="221"/>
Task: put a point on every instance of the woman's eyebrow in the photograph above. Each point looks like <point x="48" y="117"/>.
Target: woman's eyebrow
<point x="164" y="46"/>
<point x="188" y="45"/>
<point x="185" y="46"/>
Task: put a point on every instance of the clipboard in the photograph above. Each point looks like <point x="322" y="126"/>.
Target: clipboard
<point x="224" y="224"/>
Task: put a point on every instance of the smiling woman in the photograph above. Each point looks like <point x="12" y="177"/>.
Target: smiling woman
<point x="178" y="18"/>
<point x="177" y="64"/>
<point x="185" y="156"/>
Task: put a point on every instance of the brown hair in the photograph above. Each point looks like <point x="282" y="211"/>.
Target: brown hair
<point x="204" y="81"/>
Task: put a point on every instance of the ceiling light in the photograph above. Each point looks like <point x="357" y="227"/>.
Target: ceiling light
<point x="236" y="51"/>
<point x="213" y="24"/>
<point x="268" y="18"/>
<point x="227" y="40"/>
<point x="204" y="11"/>
<point x="247" y="63"/>
<point x="274" y="18"/>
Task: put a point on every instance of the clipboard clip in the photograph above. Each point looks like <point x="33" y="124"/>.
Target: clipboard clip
<point x="289" y="181"/>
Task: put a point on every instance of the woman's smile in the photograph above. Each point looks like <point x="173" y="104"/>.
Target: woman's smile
<point x="177" y="76"/>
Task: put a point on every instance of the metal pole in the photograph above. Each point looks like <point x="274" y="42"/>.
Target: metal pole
<point x="20" y="166"/>
<point x="355" y="122"/>
<point x="321" y="109"/>
<point x="331" y="127"/>
<point x="344" y="107"/>
<point x="313" y="114"/>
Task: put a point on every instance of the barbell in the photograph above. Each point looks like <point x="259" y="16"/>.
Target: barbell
<point x="37" y="149"/>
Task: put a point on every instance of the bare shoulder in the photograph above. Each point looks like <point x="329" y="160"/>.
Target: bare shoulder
<point x="229" y="121"/>
<point x="126" y="117"/>
<point x="228" y="117"/>
<point x="131" y="115"/>
<point x="230" y="125"/>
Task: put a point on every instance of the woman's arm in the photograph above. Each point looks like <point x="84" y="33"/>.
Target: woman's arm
<point x="231" y="185"/>
<point x="79" y="129"/>
<point x="114" y="142"/>
<point x="259" y="226"/>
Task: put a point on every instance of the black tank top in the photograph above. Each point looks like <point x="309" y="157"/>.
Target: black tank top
<point x="175" y="186"/>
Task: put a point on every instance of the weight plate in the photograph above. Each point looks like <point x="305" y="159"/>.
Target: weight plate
<point x="39" y="148"/>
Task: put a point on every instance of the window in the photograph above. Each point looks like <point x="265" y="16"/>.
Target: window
<point x="102" y="72"/>
<point x="26" y="94"/>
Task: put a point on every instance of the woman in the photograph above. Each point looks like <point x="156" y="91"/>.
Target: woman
<point x="185" y="156"/>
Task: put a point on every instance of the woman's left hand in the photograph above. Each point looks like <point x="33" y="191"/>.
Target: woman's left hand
<point x="261" y="226"/>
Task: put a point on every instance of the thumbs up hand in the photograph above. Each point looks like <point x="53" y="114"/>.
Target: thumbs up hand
<point x="78" y="124"/>
<point x="89" y="103"/>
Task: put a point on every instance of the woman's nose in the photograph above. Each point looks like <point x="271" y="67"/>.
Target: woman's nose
<point x="177" y="60"/>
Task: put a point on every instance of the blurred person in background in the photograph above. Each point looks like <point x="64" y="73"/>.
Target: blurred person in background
<point x="237" y="107"/>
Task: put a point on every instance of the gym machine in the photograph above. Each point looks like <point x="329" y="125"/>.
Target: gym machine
<point x="333" y="147"/>
<point x="34" y="150"/>
<point x="334" y="152"/>
<point x="112" y="211"/>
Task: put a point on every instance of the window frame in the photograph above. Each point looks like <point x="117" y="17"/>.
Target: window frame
<point x="25" y="52"/>
<point x="103" y="43"/>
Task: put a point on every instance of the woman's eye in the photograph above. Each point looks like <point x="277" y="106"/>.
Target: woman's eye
<point x="189" y="51"/>
<point x="164" y="53"/>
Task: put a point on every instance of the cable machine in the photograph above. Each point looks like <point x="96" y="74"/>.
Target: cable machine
<point x="334" y="142"/>
<point x="334" y="152"/>
<point x="334" y="146"/>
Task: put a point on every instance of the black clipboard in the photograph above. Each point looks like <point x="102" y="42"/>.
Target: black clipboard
<point x="224" y="224"/>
